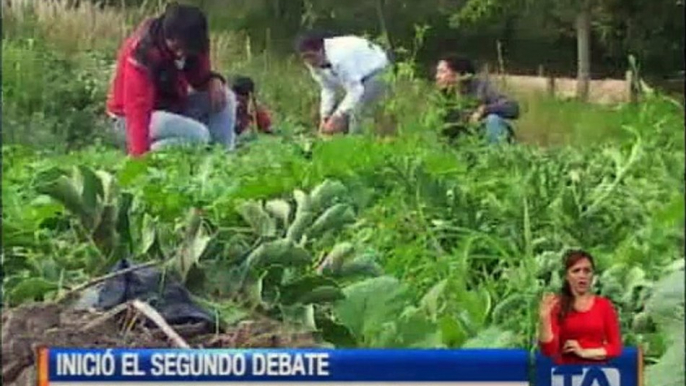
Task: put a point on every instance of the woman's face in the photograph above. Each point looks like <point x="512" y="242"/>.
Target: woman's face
<point x="177" y="48"/>
<point x="580" y="277"/>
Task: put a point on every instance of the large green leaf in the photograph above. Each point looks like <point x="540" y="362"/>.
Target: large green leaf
<point x="105" y="233"/>
<point x="252" y="290"/>
<point x="335" y="259"/>
<point x="92" y="188"/>
<point x="415" y="330"/>
<point x="300" y="315"/>
<point x="429" y="302"/>
<point x="475" y="307"/>
<point x="67" y="193"/>
<point x="148" y="234"/>
<point x="634" y="281"/>
<point x="492" y="337"/>
<point x="331" y="220"/>
<point x="124" y="223"/>
<point x="669" y="371"/>
<point x="294" y="291"/>
<point x="110" y="190"/>
<point x="326" y="194"/>
<point x="666" y="304"/>
<point x="258" y="219"/>
<point x="452" y="333"/>
<point x="369" y="304"/>
<point x="321" y="295"/>
<point x="361" y="266"/>
<point x="303" y="217"/>
<point x="279" y="209"/>
<point x="335" y="333"/>
<point x="194" y="244"/>
<point x="283" y="252"/>
<point x="666" y="307"/>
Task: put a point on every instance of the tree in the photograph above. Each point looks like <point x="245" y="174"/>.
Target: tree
<point x="575" y="12"/>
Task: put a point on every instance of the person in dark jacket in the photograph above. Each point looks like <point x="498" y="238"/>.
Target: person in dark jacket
<point x="479" y="102"/>
<point x="149" y="100"/>
<point x="248" y="111"/>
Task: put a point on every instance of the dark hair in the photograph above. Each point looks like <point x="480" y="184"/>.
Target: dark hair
<point x="242" y="85"/>
<point x="310" y="41"/>
<point x="459" y="64"/>
<point x="188" y="25"/>
<point x="566" y="297"/>
<point x="183" y="22"/>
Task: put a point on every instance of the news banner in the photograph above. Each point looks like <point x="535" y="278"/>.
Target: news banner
<point x="210" y="367"/>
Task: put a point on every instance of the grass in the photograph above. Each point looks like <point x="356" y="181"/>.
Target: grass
<point x="34" y="29"/>
<point x="469" y="237"/>
<point x="552" y="122"/>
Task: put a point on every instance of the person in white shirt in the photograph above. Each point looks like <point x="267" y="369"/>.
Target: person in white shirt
<point x="351" y="63"/>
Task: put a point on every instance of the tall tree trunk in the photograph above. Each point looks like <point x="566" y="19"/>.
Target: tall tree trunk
<point x="381" y="17"/>
<point x="583" y="40"/>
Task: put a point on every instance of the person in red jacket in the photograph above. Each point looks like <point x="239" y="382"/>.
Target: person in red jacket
<point x="149" y="98"/>
<point x="576" y="326"/>
<point x="248" y="111"/>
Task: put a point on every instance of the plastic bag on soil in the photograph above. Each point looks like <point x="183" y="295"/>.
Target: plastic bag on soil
<point x="164" y="292"/>
<point x="29" y="326"/>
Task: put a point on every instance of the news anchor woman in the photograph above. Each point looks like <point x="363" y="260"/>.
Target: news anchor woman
<point x="575" y="325"/>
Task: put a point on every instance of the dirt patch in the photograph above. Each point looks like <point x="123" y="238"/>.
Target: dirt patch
<point x="601" y="91"/>
<point x="26" y="328"/>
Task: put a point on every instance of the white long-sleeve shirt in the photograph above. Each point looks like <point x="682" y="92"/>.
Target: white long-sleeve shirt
<point x="352" y="59"/>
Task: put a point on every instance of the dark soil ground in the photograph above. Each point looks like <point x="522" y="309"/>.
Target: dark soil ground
<point x="28" y="327"/>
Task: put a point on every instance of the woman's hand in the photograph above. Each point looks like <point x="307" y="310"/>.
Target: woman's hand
<point x="547" y="304"/>
<point x="545" y="321"/>
<point x="573" y="347"/>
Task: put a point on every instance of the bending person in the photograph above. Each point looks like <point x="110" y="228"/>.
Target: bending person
<point x="576" y="326"/>
<point x="149" y="99"/>
<point x="349" y="62"/>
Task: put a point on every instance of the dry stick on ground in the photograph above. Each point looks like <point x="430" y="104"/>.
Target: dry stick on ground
<point x="152" y="314"/>
<point x="69" y="294"/>
<point x="132" y="318"/>
<point x="106" y="316"/>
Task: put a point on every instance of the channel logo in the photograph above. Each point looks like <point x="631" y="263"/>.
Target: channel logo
<point x="584" y="376"/>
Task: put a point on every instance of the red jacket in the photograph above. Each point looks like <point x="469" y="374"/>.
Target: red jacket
<point x="138" y="89"/>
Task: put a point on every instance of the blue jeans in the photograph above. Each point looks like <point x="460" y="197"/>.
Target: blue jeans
<point x="197" y="125"/>
<point x="497" y="129"/>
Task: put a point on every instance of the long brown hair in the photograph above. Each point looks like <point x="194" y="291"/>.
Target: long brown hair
<point x="185" y="23"/>
<point x="566" y="297"/>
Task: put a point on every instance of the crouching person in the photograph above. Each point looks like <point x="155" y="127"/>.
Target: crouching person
<point x="457" y="78"/>
<point x="249" y="113"/>
<point x="149" y="99"/>
<point x="351" y="63"/>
